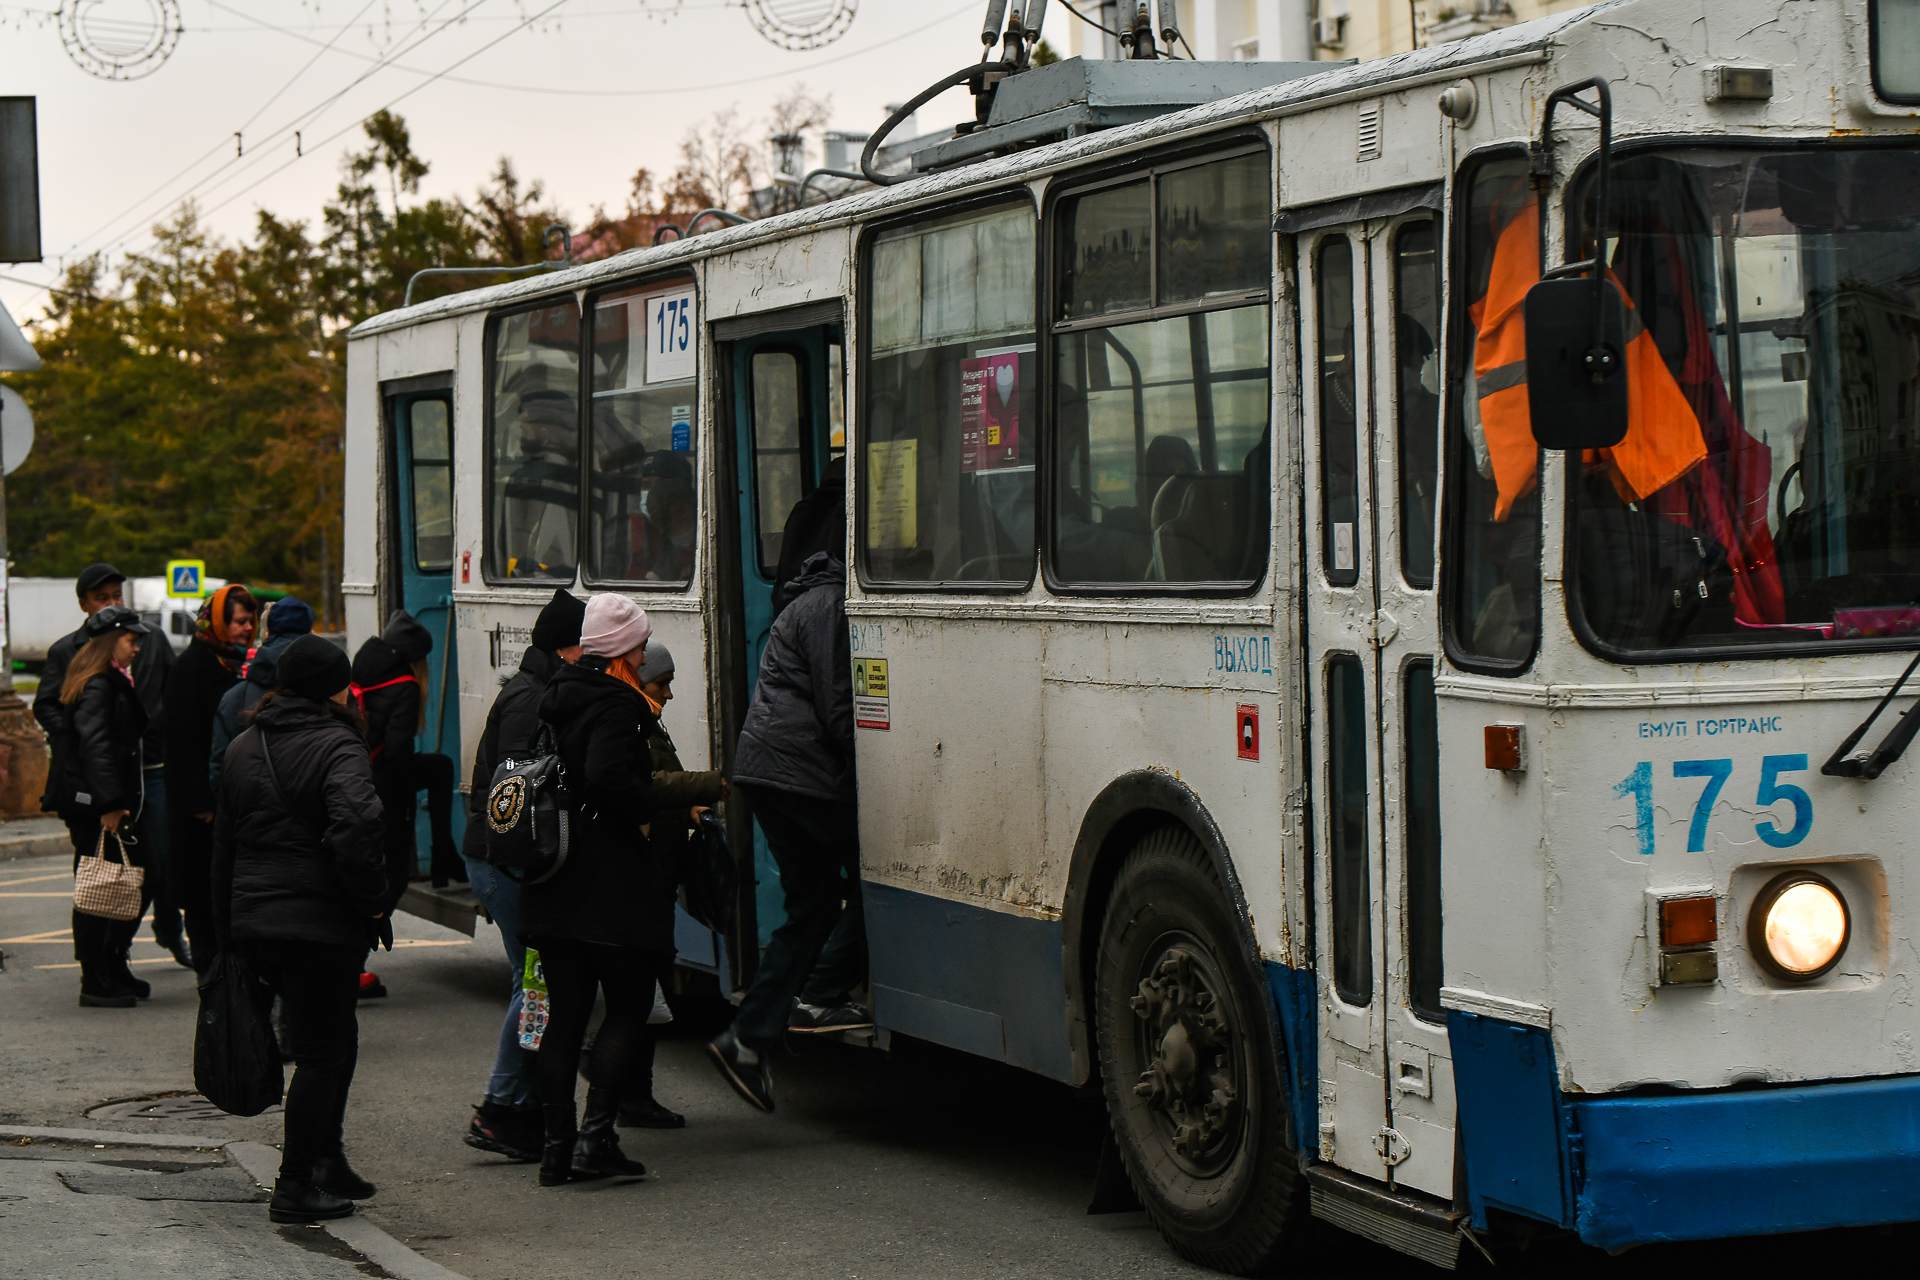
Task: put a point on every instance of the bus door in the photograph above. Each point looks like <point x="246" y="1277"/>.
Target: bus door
<point x="788" y="403"/>
<point x="421" y="549"/>
<point x="1372" y="399"/>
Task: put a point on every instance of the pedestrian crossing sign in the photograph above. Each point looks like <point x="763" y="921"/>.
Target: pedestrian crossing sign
<point x="184" y="578"/>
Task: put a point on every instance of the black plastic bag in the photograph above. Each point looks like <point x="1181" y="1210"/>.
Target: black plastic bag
<point x="711" y="877"/>
<point x="236" y="1065"/>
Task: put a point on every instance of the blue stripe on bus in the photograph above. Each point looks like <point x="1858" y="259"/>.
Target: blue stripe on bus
<point x="1748" y="1162"/>
<point x="1512" y="1127"/>
<point x="1293" y="1001"/>
<point x="1636" y="1170"/>
<point x="985" y="982"/>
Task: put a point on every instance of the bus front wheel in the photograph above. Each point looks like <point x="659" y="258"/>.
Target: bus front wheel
<point x="1192" y="1085"/>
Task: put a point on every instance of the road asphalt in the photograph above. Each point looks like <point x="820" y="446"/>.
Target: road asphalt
<point x="917" y="1162"/>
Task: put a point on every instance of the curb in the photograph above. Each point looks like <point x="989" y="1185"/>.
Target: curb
<point x="261" y="1163"/>
<point x="46" y="846"/>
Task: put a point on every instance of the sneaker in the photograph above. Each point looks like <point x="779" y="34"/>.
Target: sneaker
<point x="504" y="1132"/>
<point x="745" y="1069"/>
<point x="371" y="988"/>
<point x="814" y="1019"/>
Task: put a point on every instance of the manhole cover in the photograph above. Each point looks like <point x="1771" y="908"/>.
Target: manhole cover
<point x="177" y="1106"/>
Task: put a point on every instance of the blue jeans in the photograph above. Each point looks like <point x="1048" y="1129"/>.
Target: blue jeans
<point x="513" y="1082"/>
<point x="822" y="947"/>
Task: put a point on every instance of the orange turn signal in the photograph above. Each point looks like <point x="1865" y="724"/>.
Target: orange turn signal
<point x="1687" y="922"/>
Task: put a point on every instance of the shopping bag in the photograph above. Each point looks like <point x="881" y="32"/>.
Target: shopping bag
<point x="711" y="877"/>
<point x="236" y="1065"/>
<point x="110" y="890"/>
<point x="534" y="1002"/>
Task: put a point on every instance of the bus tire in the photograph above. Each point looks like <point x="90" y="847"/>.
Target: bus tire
<point x="1188" y="1066"/>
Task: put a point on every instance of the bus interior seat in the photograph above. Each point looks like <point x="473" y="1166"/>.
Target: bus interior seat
<point x="1199" y="525"/>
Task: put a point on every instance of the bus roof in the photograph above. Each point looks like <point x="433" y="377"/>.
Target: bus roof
<point x="1523" y="43"/>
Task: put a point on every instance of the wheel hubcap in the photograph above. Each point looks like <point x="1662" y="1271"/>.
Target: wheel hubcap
<point x="1187" y="1040"/>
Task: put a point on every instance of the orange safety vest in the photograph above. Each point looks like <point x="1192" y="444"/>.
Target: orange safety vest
<point x="1663" y="441"/>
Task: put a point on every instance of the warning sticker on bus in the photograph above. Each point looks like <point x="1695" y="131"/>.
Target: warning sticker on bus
<point x="870" y="703"/>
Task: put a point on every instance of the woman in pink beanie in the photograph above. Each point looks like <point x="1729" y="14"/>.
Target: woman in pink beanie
<point x="605" y="919"/>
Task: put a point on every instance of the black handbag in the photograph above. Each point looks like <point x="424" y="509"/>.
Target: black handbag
<point x="236" y="1065"/>
<point x="710" y="876"/>
<point x="527" y="813"/>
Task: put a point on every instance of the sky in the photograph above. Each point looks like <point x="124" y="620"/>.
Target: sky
<point x="579" y="93"/>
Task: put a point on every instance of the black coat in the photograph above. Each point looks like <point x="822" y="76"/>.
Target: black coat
<point x="262" y="673"/>
<point x="194" y="690"/>
<point x="151" y="667"/>
<point x="393" y="713"/>
<point x="99" y="758"/>
<point x="615" y="887"/>
<point x="303" y="862"/>
<point x="512" y="725"/>
<point x="798" y="733"/>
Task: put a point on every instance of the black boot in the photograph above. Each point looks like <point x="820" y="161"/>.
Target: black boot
<point x="98" y="993"/>
<point x="123" y="977"/>
<point x="333" y="1175"/>
<point x="597" y="1154"/>
<point x="556" y="1152"/>
<point x="647" y="1113"/>
<point x="304" y="1202"/>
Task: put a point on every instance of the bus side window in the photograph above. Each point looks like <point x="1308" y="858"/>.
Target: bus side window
<point x="1424" y="960"/>
<point x="430" y="458"/>
<point x="1162" y="457"/>
<point x="948" y="439"/>
<point x="780" y="468"/>
<point x="642" y="498"/>
<point x="533" y="441"/>
<point x="1352" y="896"/>
<point x="1339" y="412"/>
<point x="1416" y="351"/>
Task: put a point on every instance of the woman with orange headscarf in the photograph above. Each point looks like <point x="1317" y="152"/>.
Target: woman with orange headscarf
<point x="209" y="667"/>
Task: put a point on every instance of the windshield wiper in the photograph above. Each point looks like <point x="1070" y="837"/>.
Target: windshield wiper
<point x="1871" y="765"/>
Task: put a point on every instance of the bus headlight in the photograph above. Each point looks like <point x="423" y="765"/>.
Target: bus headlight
<point x="1799" y="926"/>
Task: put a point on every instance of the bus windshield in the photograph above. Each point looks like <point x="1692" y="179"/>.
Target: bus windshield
<point x="1768" y="488"/>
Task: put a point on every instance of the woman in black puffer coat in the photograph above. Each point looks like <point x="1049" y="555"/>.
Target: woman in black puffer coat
<point x="300" y="889"/>
<point x="97" y="786"/>
<point x="606" y="919"/>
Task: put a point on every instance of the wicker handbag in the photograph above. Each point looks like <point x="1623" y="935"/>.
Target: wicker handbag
<point x="110" y="890"/>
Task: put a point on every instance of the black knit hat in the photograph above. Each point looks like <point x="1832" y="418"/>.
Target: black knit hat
<point x="558" y="625"/>
<point x="314" y="668"/>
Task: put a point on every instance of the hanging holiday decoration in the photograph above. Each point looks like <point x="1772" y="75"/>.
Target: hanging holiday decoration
<point x="120" y="39"/>
<point x="801" y="24"/>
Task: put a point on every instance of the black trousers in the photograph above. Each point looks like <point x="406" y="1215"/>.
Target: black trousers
<point x="101" y="945"/>
<point x="623" y="1049"/>
<point x="399" y="782"/>
<point x="190" y="879"/>
<point x="821" y="949"/>
<point x="319" y="986"/>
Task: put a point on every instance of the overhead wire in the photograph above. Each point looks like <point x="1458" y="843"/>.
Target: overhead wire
<point x="344" y="129"/>
<point x="216" y="147"/>
<point x="650" y="93"/>
<point x="304" y="118"/>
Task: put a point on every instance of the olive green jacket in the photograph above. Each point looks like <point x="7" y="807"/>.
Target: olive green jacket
<point x="675" y="790"/>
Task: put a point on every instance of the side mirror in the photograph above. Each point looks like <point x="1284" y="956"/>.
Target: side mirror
<point x="1576" y="381"/>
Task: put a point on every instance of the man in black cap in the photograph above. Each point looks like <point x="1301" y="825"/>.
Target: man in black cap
<point x="99" y="586"/>
<point x="507" y="1122"/>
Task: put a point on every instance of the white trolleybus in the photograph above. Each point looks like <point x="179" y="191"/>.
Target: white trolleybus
<point x="1387" y="698"/>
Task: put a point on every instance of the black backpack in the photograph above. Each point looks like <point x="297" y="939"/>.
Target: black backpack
<point x="527" y="813"/>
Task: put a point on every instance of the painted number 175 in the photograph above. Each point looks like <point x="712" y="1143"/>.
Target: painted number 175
<point x="1714" y="775"/>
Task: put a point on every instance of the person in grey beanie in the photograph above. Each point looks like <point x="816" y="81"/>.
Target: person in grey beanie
<point x="288" y="619"/>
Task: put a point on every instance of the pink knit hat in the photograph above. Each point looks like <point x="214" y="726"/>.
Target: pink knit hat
<point x="614" y="625"/>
